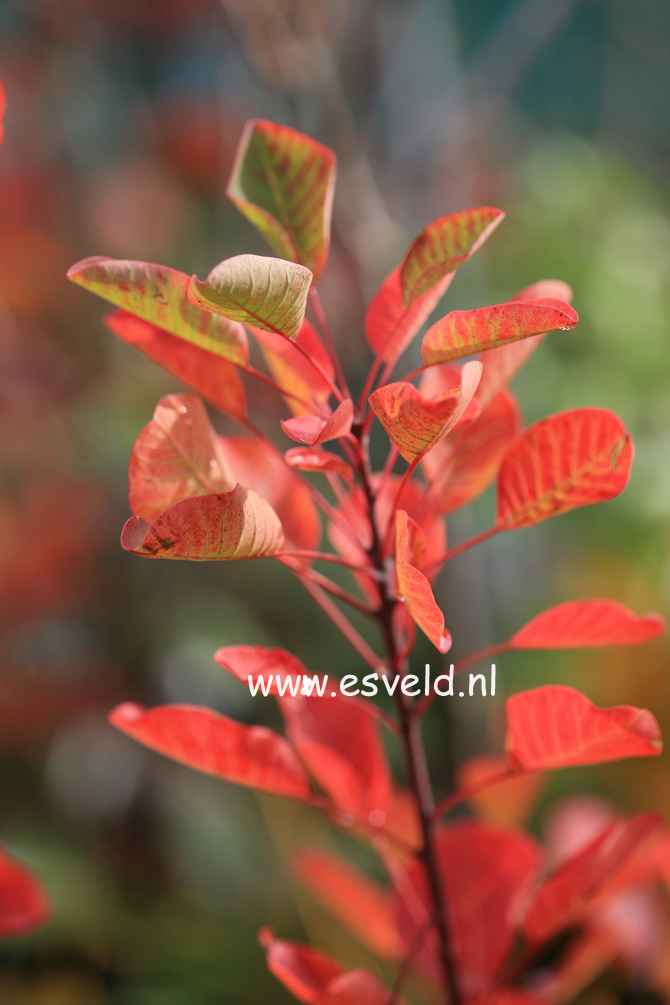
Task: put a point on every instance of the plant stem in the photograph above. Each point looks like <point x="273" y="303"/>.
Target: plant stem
<point x="463" y="546"/>
<point x="410" y="731"/>
<point x="324" y="327"/>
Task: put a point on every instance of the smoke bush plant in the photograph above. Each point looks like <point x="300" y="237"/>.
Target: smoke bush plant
<point x="478" y="907"/>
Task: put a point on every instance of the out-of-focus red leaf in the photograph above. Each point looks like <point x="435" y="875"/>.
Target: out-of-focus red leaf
<point x="257" y="291"/>
<point x="312" y="430"/>
<point x="292" y="371"/>
<point x="23" y="903"/>
<point x="389" y="326"/>
<point x="502" y="363"/>
<point x="355" y="987"/>
<point x="176" y="456"/>
<point x="360" y="904"/>
<point x="313" y="459"/>
<point x="217" y="380"/>
<point x="158" y="294"/>
<point x="486" y="873"/>
<point x="413" y="586"/>
<point x="229" y="525"/>
<point x="283" y="182"/>
<point x="264" y="472"/>
<point x="304" y="971"/>
<point x="461" y="467"/>
<point x="506" y="803"/>
<point x="199" y="738"/>
<point x="571" y="459"/>
<point x="442" y="246"/>
<point x="462" y="333"/>
<point x="571" y="889"/>
<point x="338" y="739"/>
<point x="414" y="423"/>
<point x="556" y="727"/>
<point x="244" y="662"/>
<point x="582" y="623"/>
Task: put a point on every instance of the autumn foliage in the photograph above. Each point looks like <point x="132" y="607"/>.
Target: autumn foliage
<point x="476" y="905"/>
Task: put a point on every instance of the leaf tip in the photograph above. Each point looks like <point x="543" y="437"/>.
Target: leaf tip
<point x="125" y="714"/>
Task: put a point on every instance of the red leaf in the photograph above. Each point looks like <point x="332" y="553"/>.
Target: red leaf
<point x="414" y="423"/>
<point x="389" y="326"/>
<point x="355" y="987"/>
<point x="228" y="525"/>
<point x="306" y="459"/>
<point x="571" y="459"/>
<point x="175" y="457"/>
<point x="283" y="182"/>
<point x="304" y="971"/>
<point x="258" y="661"/>
<point x="263" y="470"/>
<point x="199" y="738"/>
<point x="413" y="585"/>
<point x="462" y="333"/>
<point x="502" y="363"/>
<point x="159" y="295"/>
<point x="444" y="245"/>
<point x="214" y="378"/>
<point x="557" y="727"/>
<point x="23" y="903"/>
<point x="292" y="371"/>
<point x="364" y="907"/>
<point x="581" y="623"/>
<point x="567" y="894"/>
<point x="312" y="430"/>
<point x="339" y="741"/>
<point x="507" y="803"/>
<point x="486" y="873"/>
<point x="461" y="467"/>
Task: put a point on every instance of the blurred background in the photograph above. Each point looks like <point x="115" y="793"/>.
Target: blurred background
<point x="121" y="124"/>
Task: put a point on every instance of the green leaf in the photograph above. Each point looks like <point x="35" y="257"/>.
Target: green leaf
<point x="283" y="182"/>
<point x="158" y="294"/>
<point x="263" y="292"/>
<point x="444" y="245"/>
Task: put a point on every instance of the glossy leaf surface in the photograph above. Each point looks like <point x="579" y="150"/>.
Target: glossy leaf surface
<point x="558" y="727"/>
<point x="283" y="182"/>
<point x="253" y="756"/>
<point x="229" y="525"/>
<point x="571" y="459"/>
<point x="261" y="292"/>
<point x="312" y="430"/>
<point x="312" y="459"/>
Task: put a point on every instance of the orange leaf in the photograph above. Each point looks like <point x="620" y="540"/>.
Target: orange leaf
<point x="199" y="738"/>
<point x="312" y="430"/>
<point x="413" y="585"/>
<point x="571" y="459"/>
<point x="581" y="623"/>
<point x="246" y="662"/>
<point x="414" y="423"/>
<point x="313" y="459"/>
<point x="462" y="333"/>
<point x="442" y="246"/>
<point x="292" y="371"/>
<point x="506" y="801"/>
<point x="389" y="326"/>
<point x="461" y="467"/>
<point x="361" y="905"/>
<point x="229" y="525"/>
<point x="159" y="295"/>
<point x="557" y="727"/>
<point x="175" y="457"/>
<point x="283" y="182"/>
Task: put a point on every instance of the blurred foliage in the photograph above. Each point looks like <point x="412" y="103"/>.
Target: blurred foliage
<point x="121" y="124"/>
